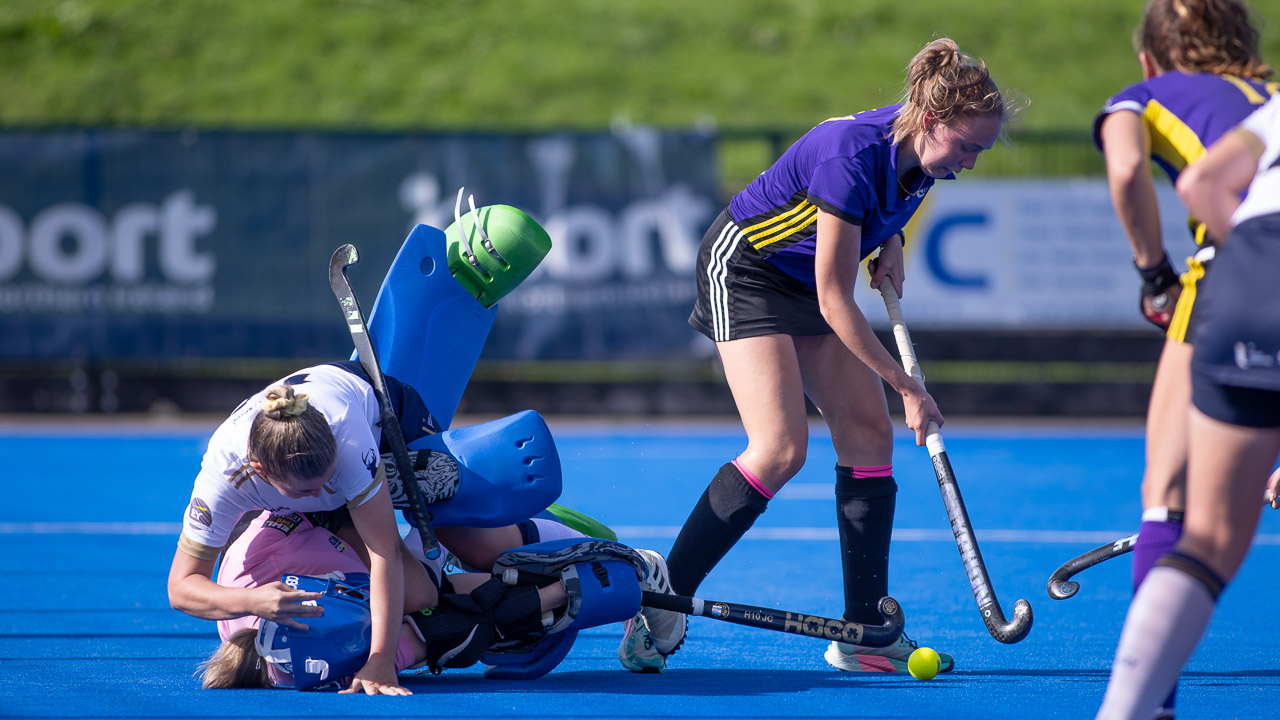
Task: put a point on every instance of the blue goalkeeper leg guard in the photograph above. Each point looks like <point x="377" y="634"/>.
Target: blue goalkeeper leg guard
<point x="438" y="301"/>
<point x="426" y="328"/>
<point x="508" y="470"/>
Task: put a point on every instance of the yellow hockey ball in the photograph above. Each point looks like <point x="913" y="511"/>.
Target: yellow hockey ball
<point x="924" y="663"/>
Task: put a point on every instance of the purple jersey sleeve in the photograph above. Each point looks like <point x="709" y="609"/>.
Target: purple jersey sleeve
<point x="845" y="187"/>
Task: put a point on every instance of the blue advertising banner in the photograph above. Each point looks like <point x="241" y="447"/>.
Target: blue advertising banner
<point x="120" y="244"/>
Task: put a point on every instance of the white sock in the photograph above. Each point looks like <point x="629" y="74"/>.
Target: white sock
<point x="1166" y="620"/>
<point x="554" y="530"/>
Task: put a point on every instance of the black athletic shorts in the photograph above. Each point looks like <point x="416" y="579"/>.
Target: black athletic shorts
<point x="1235" y="372"/>
<point x="741" y="295"/>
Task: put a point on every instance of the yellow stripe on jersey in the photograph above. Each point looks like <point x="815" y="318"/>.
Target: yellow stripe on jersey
<point x="197" y="550"/>
<point x="1182" y="311"/>
<point x="1253" y="96"/>
<point x="360" y="497"/>
<point x="781" y="227"/>
<point x="240" y="475"/>
<point x="1171" y="139"/>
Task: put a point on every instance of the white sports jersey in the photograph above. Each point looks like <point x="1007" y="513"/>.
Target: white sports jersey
<point x="227" y="487"/>
<point x="1264" y="191"/>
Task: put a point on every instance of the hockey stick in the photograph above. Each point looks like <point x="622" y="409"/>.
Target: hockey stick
<point x="343" y="257"/>
<point x="1062" y="587"/>
<point x="1011" y="631"/>
<point x="846" y="631"/>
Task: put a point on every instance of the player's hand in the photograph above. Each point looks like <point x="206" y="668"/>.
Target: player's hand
<point x="920" y="411"/>
<point x="1159" y="295"/>
<point x="888" y="264"/>
<point x="280" y="603"/>
<point x="377" y="677"/>
<point x="1273" y="488"/>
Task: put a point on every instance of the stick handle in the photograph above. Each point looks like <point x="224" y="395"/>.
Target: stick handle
<point x="342" y="257"/>
<point x="979" y="581"/>
<point x="933" y="434"/>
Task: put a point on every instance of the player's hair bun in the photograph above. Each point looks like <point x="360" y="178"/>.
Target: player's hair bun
<point x="282" y="403"/>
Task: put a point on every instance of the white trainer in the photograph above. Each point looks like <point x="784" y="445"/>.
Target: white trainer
<point x="652" y="634"/>
<point x="891" y="659"/>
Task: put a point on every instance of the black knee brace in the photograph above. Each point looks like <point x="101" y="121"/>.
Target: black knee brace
<point x="1197" y="570"/>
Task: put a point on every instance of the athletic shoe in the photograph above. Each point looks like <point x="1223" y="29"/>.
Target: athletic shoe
<point x="652" y="634"/>
<point x="892" y="659"/>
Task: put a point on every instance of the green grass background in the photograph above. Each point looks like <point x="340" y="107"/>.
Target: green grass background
<point x="533" y="65"/>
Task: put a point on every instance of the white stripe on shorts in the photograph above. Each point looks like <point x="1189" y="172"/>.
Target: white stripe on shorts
<point x="717" y="270"/>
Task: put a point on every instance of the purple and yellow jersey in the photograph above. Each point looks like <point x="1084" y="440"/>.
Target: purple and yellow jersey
<point x="846" y="166"/>
<point x="1185" y="113"/>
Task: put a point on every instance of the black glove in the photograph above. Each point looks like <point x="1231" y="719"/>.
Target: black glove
<point x="1160" y="290"/>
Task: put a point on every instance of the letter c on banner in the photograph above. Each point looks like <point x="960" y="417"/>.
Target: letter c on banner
<point x="933" y="251"/>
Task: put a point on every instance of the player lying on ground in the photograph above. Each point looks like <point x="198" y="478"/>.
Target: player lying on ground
<point x="310" y="444"/>
<point x="511" y="628"/>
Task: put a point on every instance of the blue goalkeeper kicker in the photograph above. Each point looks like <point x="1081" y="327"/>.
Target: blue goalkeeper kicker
<point x="509" y="470"/>
<point x="427" y="329"/>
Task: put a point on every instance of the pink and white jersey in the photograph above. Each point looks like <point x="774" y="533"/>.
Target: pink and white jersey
<point x="276" y="545"/>
<point x="227" y="487"/>
<point x="280" y="544"/>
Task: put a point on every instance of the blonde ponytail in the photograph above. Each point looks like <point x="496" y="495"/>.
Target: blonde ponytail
<point x="290" y="438"/>
<point x="235" y="664"/>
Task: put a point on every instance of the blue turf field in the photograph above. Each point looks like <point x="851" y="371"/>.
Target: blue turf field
<point x="91" y="522"/>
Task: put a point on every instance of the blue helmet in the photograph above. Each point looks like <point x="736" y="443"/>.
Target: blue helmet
<point x="336" y="644"/>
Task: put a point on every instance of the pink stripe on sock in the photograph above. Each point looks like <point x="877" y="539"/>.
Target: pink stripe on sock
<point x="753" y="480"/>
<point x="867" y="471"/>
<point x="875" y="663"/>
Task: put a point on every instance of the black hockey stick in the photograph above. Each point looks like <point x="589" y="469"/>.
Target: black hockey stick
<point x="883" y="635"/>
<point x="1062" y="587"/>
<point x="343" y="257"/>
<point x="1010" y="631"/>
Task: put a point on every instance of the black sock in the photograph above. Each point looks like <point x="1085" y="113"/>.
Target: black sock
<point x="864" y="515"/>
<point x="725" y="512"/>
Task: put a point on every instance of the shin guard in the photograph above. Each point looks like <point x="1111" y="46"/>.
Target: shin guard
<point x="864" y="515"/>
<point x="724" y="513"/>
<point x="427" y="328"/>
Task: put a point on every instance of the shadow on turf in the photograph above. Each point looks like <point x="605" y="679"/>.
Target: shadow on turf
<point x="1104" y="673"/>
<point x="739" y="683"/>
